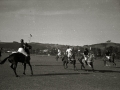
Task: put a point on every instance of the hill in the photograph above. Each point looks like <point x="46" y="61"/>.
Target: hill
<point x="43" y="46"/>
<point x="105" y="45"/>
<point x="35" y="46"/>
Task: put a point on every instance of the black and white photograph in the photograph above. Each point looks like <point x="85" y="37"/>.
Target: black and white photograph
<point x="59" y="44"/>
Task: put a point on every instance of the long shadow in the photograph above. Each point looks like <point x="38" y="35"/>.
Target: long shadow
<point x="107" y="71"/>
<point x="101" y="71"/>
<point x="116" y="67"/>
<point x="54" y="74"/>
<point x="47" y="65"/>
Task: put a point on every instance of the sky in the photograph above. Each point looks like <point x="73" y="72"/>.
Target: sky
<point x="66" y="22"/>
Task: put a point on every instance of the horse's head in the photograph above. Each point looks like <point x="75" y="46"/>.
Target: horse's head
<point x="27" y="48"/>
<point x="91" y="56"/>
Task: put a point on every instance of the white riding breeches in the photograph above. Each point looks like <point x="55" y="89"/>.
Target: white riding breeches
<point x="86" y="57"/>
<point x="108" y="57"/>
<point x="59" y="54"/>
<point x="21" y="50"/>
<point x="69" y="55"/>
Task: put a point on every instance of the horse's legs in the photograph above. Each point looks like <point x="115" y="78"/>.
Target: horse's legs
<point x="66" y="65"/>
<point x="104" y="62"/>
<point x="114" y="62"/>
<point x="24" y="68"/>
<point x="91" y="63"/>
<point x="74" y="64"/>
<point x="14" y="66"/>
<point x="109" y="61"/>
<point x="11" y="65"/>
<point x="82" y="64"/>
<point x="86" y="62"/>
<point x="57" y="58"/>
<point x="30" y="68"/>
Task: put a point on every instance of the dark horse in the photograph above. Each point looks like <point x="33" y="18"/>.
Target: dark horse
<point x="65" y="61"/>
<point x="14" y="58"/>
<point x="89" y="61"/>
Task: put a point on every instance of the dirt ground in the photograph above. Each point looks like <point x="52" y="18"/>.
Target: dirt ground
<point x="50" y="74"/>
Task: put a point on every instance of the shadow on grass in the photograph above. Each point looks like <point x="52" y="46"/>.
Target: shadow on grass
<point x="47" y="65"/>
<point x="54" y="74"/>
<point x="103" y="71"/>
<point x="116" y="67"/>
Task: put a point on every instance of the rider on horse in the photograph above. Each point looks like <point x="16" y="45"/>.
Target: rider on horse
<point x="69" y="53"/>
<point x="23" y="49"/>
<point x="59" y="53"/>
<point x="86" y="55"/>
<point x="73" y="54"/>
<point x="107" y="54"/>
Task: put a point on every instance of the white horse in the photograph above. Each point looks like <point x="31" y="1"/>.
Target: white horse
<point x="109" y="59"/>
<point x="88" y="62"/>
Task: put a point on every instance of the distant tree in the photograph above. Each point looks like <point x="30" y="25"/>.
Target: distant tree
<point x="99" y="51"/>
<point x="37" y="51"/>
<point x="15" y="42"/>
<point x="53" y="51"/>
<point x="108" y="41"/>
<point x="110" y="48"/>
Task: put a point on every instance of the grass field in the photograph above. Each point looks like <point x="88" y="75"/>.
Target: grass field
<point x="50" y="74"/>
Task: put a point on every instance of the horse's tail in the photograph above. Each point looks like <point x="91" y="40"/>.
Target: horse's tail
<point x="3" y="61"/>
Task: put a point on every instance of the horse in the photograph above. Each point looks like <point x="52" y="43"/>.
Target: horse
<point x="89" y="61"/>
<point x="65" y="61"/>
<point x="109" y="60"/>
<point x="14" y="58"/>
<point x="58" y="56"/>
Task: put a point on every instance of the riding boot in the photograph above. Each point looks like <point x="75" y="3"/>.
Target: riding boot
<point x="86" y="62"/>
